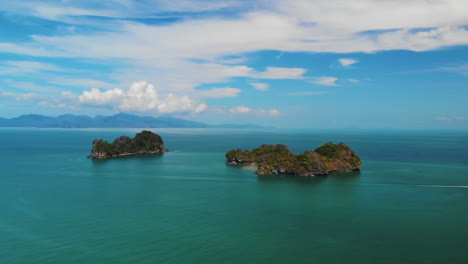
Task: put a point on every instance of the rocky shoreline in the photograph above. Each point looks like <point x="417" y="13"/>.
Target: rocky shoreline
<point x="278" y="159"/>
<point x="93" y="156"/>
<point x="145" y="142"/>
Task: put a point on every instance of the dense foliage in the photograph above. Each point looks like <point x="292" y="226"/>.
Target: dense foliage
<point x="143" y="142"/>
<point x="328" y="150"/>
<point x="278" y="159"/>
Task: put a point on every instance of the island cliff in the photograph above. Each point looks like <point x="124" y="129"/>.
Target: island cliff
<point x="278" y="159"/>
<point x="145" y="142"/>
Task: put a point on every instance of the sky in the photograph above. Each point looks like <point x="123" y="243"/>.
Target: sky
<point x="367" y="64"/>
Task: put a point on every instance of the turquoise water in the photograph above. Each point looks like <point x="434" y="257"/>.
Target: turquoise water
<point x="409" y="204"/>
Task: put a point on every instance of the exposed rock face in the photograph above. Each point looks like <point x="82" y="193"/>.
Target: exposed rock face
<point x="145" y="142"/>
<point x="278" y="159"/>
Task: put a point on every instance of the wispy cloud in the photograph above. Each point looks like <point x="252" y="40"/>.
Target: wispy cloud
<point x="210" y="47"/>
<point x="461" y="68"/>
<point x="80" y="82"/>
<point x="328" y="81"/>
<point x="255" y="111"/>
<point x="18" y="67"/>
<point x="32" y="87"/>
<point x="280" y="73"/>
<point x="219" y="92"/>
<point x="19" y="96"/>
<point x="260" y="86"/>
<point x="347" y="62"/>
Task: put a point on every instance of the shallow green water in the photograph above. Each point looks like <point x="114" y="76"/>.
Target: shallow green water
<point x="408" y="204"/>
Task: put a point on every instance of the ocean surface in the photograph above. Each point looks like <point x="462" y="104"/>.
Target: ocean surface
<point x="409" y="204"/>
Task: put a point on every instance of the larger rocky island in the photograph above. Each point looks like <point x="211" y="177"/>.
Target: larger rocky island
<point x="145" y="142"/>
<point x="278" y="159"/>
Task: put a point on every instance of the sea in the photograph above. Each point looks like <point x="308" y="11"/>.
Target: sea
<point x="408" y="204"/>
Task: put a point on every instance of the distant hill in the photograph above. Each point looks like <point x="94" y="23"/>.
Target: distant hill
<point x="121" y="120"/>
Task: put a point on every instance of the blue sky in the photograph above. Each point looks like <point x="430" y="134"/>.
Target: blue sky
<point x="302" y="64"/>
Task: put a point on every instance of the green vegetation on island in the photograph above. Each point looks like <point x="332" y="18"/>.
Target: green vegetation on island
<point x="145" y="142"/>
<point x="278" y="159"/>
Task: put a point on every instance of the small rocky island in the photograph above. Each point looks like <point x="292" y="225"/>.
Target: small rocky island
<point x="145" y="142"/>
<point x="278" y="159"/>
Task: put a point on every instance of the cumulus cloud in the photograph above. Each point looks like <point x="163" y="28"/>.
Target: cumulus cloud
<point x="347" y="62"/>
<point x="141" y="97"/>
<point x="219" y="93"/>
<point x="261" y="86"/>
<point x="328" y="81"/>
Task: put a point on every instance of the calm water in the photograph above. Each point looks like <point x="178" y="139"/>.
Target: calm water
<point x="409" y="204"/>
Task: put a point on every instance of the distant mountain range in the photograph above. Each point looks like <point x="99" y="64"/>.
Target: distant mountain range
<point x="121" y="120"/>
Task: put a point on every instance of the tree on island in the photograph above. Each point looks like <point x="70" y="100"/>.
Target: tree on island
<point x="143" y="143"/>
<point x="278" y="159"/>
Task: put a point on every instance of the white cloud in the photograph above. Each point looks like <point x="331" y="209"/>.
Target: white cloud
<point x="54" y="11"/>
<point x="461" y="68"/>
<point x="365" y="15"/>
<point x="17" y="67"/>
<point x="211" y="38"/>
<point x="30" y="86"/>
<point x="141" y="97"/>
<point x="20" y="96"/>
<point x="348" y="16"/>
<point x="347" y="62"/>
<point x="66" y="100"/>
<point x="185" y="76"/>
<point x="271" y="112"/>
<point x="219" y="92"/>
<point x="328" y="81"/>
<point x="259" y="111"/>
<point x="165" y="54"/>
<point x="80" y="82"/>
<point x="280" y="73"/>
<point x="260" y="86"/>
<point x="176" y="104"/>
<point x="233" y="60"/>
<point x="159" y="53"/>
<point x="271" y="25"/>
<point x="240" y="109"/>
